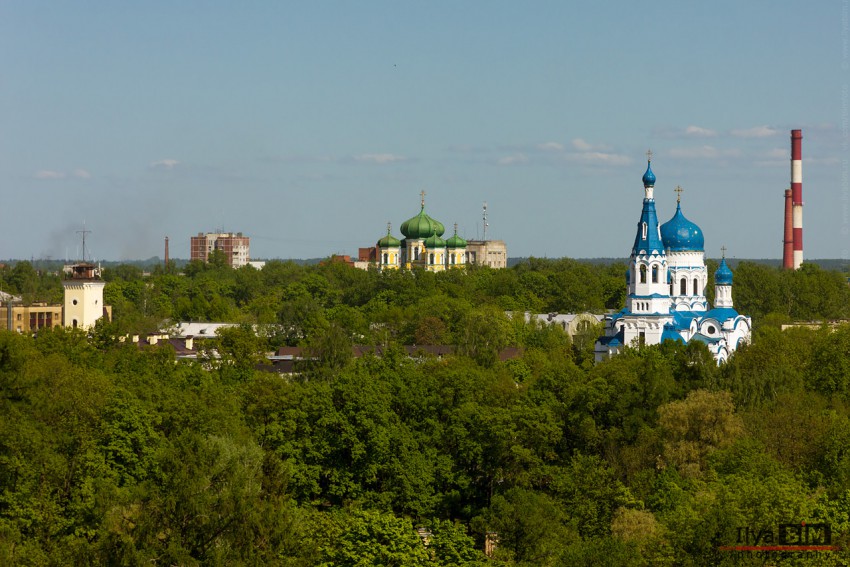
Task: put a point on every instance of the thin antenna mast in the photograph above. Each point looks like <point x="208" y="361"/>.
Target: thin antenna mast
<point x="84" y="232"/>
<point x="485" y="220"/>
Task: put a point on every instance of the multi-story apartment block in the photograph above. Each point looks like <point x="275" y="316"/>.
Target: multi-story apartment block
<point x="236" y="247"/>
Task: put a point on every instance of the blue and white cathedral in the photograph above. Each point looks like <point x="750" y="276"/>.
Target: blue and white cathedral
<point x="666" y="283"/>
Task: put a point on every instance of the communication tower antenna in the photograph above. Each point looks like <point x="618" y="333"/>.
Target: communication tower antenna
<point x="84" y="232"/>
<point x="485" y="220"/>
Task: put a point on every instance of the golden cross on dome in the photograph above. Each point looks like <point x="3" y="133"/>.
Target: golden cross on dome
<point x="455" y="229"/>
<point x="678" y="190"/>
<point x="389" y="227"/>
<point x="648" y="155"/>
<point x="422" y="194"/>
<point x="723" y="251"/>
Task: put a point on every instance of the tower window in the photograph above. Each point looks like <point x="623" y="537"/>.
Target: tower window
<point x="655" y="274"/>
<point x="431" y="258"/>
<point x="643" y="231"/>
<point x="683" y="287"/>
<point x="696" y="286"/>
<point x="643" y="274"/>
<point x="386" y="257"/>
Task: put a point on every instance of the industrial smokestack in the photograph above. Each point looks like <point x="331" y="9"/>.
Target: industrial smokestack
<point x="788" y="236"/>
<point x="797" y="194"/>
<point x="166" y="252"/>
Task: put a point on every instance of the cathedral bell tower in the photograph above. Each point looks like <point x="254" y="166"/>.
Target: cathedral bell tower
<point x="648" y="288"/>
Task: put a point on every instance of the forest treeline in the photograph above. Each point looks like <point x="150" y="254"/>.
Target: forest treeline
<point x="111" y="453"/>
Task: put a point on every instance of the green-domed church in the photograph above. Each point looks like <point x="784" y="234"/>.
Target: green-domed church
<point x="422" y="246"/>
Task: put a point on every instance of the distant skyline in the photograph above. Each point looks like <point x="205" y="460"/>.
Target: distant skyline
<point x="309" y="126"/>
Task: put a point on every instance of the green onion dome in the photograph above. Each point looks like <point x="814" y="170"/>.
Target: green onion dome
<point x="388" y="241"/>
<point x="434" y="241"/>
<point x="422" y="226"/>
<point x="455" y="241"/>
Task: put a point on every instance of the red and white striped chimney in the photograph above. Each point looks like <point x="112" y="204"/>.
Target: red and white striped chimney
<point x="797" y="194"/>
<point x="788" y="234"/>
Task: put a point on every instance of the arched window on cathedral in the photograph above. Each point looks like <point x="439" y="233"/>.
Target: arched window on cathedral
<point x="431" y="258"/>
<point x="655" y="273"/>
<point x="696" y="286"/>
<point x="416" y="254"/>
<point x="386" y="258"/>
<point x="643" y="274"/>
<point x="683" y="287"/>
<point x="643" y="231"/>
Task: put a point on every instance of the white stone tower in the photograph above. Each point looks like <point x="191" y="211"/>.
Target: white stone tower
<point x="83" y="297"/>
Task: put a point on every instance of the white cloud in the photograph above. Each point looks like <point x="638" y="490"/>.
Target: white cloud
<point x="599" y="158"/>
<point x="49" y="174"/>
<point x="515" y="159"/>
<point x="699" y="132"/>
<point x="52" y="174"/>
<point x="299" y="159"/>
<point x="550" y="147"/>
<point x="703" y="152"/>
<point x="584" y="146"/>
<point x="581" y="145"/>
<point x="755" y="132"/>
<point x="380" y="159"/>
<point x="777" y="153"/>
<point x="164" y="164"/>
<point x="822" y="161"/>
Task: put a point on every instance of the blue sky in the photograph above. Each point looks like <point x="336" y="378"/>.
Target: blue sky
<point x="308" y="126"/>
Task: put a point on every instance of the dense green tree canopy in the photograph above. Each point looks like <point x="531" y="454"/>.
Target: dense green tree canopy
<point x="115" y="453"/>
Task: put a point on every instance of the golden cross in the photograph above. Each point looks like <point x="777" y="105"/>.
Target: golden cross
<point x="389" y="228"/>
<point x="455" y="229"/>
<point x="723" y="251"/>
<point x="678" y="190"/>
<point x="422" y="194"/>
<point x="648" y="155"/>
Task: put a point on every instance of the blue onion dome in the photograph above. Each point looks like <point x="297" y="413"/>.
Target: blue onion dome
<point x="680" y="234"/>
<point x="648" y="177"/>
<point x="434" y="241"/>
<point x="723" y="275"/>
<point x="455" y="241"/>
<point x="389" y="241"/>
